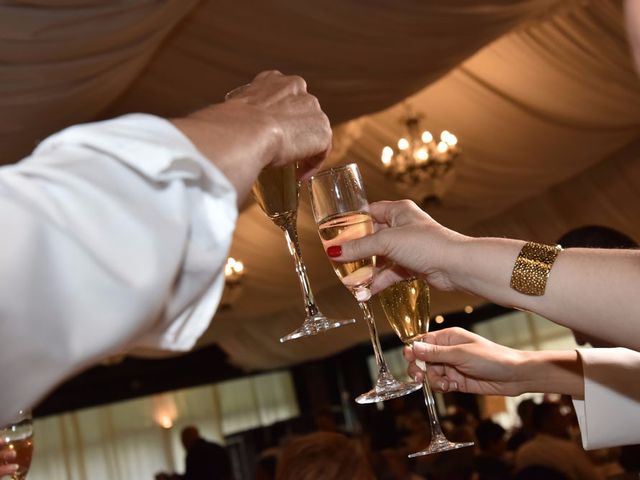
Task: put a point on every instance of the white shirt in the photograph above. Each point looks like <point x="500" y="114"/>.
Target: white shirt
<point x="609" y="415"/>
<point x="561" y="455"/>
<point x="113" y="237"/>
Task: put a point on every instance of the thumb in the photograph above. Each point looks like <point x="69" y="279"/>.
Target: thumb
<point x="431" y="353"/>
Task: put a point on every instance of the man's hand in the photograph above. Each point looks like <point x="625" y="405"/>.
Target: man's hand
<point x="270" y="122"/>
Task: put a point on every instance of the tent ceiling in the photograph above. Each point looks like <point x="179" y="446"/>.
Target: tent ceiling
<point x="541" y="94"/>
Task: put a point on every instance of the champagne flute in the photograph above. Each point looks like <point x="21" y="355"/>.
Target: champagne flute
<point x="17" y="435"/>
<point x="276" y="191"/>
<point x="406" y="305"/>
<point x="341" y="211"/>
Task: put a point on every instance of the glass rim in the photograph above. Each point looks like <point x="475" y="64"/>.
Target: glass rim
<point x="333" y="170"/>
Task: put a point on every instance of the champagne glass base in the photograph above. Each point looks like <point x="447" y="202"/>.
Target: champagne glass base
<point x="440" y="444"/>
<point x="387" y="388"/>
<point x="315" y="325"/>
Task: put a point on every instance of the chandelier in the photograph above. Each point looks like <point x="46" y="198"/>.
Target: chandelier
<point x="233" y="272"/>
<point x="421" y="165"/>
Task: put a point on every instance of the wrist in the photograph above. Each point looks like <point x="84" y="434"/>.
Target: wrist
<point x="552" y="372"/>
<point x="234" y="133"/>
<point x="483" y="266"/>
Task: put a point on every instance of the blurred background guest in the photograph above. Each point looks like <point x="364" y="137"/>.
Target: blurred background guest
<point x="324" y="456"/>
<point x="552" y="448"/>
<point x="490" y="462"/>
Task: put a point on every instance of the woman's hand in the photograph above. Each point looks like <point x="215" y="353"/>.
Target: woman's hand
<point x="460" y="360"/>
<point x="408" y="239"/>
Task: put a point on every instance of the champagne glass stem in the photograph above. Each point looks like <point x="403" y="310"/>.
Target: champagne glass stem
<point x="434" y="423"/>
<point x="291" y="234"/>
<point x="375" y="340"/>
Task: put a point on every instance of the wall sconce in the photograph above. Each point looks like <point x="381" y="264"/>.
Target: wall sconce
<point x="234" y="271"/>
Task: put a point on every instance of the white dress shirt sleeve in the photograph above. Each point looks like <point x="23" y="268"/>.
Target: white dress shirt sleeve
<point x="113" y="237"/>
<point x="609" y="415"/>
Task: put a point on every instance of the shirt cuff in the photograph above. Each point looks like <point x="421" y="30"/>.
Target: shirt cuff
<point x="609" y="414"/>
<point x="150" y="145"/>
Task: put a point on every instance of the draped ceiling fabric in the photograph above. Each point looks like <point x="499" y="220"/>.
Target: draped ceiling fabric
<point x="541" y="94"/>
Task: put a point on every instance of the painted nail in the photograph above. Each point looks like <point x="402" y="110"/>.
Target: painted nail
<point x="334" y="251"/>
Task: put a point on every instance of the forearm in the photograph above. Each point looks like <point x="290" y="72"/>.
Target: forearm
<point x="585" y="287"/>
<point x="552" y="372"/>
<point x="239" y="140"/>
<point x="108" y="227"/>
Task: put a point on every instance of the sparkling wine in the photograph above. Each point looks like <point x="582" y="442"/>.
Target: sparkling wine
<point x="406" y="305"/>
<point x="24" y="451"/>
<point x="340" y="228"/>
<point x="276" y="191"/>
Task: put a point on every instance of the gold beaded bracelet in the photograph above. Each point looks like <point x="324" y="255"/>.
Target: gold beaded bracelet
<point x="532" y="268"/>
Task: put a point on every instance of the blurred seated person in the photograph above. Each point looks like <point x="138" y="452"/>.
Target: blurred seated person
<point x="167" y="476"/>
<point x="324" y="456"/>
<point x="395" y="466"/>
<point x="551" y="448"/>
<point x="266" y="465"/>
<point x="490" y="462"/>
<point x="537" y="472"/>
<point x="456" y="464"/>
<point x="525" y="431"/>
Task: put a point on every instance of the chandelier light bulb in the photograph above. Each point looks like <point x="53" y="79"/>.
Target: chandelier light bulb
<point x="422" y="154"/>
<point x="238" y="267"/>
<point x="387" y="156"/>
<point x="426" y="136"/>
<point x="442" y="147"/>
<point x="228" y="268"/>
<point x="449" y="138"/>
<point x="403" y="144"/>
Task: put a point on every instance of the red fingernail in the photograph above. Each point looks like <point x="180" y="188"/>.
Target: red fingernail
<point x="334" y="251"/>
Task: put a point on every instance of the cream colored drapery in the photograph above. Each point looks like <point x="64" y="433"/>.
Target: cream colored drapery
<point x="549" y="120"/>
<point x="541" y="94"/>
<point x="124" y="441"/>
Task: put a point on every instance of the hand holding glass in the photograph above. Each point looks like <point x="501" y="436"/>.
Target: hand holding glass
<point x="341" y="211"/>
<point x="18" y="436"/>
<point x="276" y="191"/>
<point x="406" y="305"/>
